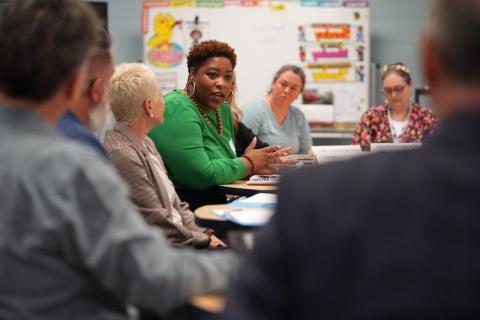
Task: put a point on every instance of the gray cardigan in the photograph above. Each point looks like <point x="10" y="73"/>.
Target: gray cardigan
<point x="129" y="155"/>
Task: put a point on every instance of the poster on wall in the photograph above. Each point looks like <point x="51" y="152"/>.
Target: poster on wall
<point x="331" y="44"/>
<point x="334" y="56"/>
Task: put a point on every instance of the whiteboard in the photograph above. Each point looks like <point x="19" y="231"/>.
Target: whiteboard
<point x="265" y="38"/>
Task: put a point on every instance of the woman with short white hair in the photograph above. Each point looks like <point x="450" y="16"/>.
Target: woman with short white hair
<point x="137" y="105"/>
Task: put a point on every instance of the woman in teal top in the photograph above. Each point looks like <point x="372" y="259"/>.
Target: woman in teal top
<point x="274" y="120"/>
<point x="196" y="139"/>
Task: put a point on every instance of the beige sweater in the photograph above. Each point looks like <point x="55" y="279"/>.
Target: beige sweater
<point x="129" y="155"/>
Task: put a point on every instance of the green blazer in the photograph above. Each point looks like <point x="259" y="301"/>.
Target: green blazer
<point x="194" y="154"/>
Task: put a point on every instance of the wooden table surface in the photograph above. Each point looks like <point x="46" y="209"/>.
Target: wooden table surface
<point x="241" y="188"/>
<point x="212" y="303"/>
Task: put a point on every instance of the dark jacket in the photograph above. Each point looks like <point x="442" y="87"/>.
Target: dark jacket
<point x="243" y="137"/>
<point x="386" y="236"/>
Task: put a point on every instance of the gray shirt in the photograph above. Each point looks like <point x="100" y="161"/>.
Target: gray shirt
<point x="293" y="132"/>
<point x="71" y="246"/>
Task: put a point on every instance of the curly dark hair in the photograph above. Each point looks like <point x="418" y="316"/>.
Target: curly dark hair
<point x="205" y="50"/>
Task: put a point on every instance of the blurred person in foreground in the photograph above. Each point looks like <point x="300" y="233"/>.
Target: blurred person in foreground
<point x="137" y="104"/>
<point x="408" y="252"/>
<point x="71" y="245"/>
<point x="90" y="114"/>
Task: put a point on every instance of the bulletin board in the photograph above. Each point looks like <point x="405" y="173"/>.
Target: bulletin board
<point x="331" y="44"/>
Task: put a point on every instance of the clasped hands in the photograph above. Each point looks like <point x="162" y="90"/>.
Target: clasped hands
<point x="270" y="159"/>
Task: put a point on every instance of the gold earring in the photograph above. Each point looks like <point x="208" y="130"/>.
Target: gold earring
<point x="194" y="87"/>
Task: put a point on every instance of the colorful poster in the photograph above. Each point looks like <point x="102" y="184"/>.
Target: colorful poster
<point x="196" y="30"/>
<point x="331" y="44"/>
<point x="335" y="57"/>
<point x="209" y="3"/>
<point x="182" y="3"/>
<point x="164" y="48"/>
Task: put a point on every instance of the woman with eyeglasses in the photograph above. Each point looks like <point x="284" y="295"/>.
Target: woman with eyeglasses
<point x="398" y="120"/>
<point x="274" y="120"/>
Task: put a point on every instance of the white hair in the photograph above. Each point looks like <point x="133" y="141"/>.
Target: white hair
<point x="131" y="85"/>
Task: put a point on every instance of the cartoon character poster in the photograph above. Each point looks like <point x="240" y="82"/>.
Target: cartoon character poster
<point x="196" y="31"/>
<point x="164" y="46"/>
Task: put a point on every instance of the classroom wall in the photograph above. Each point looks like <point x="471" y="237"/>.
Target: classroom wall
<point x="395" y="30"/>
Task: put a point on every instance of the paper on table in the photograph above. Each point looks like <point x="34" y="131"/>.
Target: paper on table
<point x="250" y="217"/>
<point x="375" y="147"/>
<point x="259" y="200"/>
<point x="336" y="153"/>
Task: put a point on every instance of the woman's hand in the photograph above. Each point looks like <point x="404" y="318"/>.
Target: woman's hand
<point x="285" y="159"/>
<point x="215" y="242"/>
<point x="283" y="152"/>
<point x="264" y="159"/>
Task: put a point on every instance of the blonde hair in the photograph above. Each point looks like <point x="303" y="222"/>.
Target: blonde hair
<point x="131" y="85"/>
<point x="397" y="68"/>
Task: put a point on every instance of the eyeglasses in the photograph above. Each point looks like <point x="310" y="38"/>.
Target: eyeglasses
<point x="396" y="90"/>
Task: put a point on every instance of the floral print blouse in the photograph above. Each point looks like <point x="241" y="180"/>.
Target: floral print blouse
<point x="374" y="126"/>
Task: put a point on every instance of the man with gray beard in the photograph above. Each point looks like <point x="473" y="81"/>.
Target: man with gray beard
<point x="90" y="114"/>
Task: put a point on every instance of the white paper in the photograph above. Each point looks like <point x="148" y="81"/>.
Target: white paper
<point x="336" y="153"/>
<point x="376" y="147"/>
<point x="252" y="217"/>
<point x="318" y="113"/>
<point x="259" y="200"/>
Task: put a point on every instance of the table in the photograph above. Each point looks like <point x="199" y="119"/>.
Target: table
<point x="240" y="238"/>
<point x="204" y="217"/>
<point x="241" y="188"/>
<point x="211" y="303"/>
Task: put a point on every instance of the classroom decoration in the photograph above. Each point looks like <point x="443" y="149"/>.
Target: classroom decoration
<point x="328" y="39"/>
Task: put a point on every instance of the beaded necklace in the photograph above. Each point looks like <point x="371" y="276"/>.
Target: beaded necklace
<point x="204" y="115"/>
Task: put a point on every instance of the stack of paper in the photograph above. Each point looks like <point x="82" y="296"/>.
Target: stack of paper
<point x="326" y="154"/>
<point x="260" y="200"/>
<point x="249" y="217"/>
<point x="376" y="147"/>
<point x="254" y="211"/>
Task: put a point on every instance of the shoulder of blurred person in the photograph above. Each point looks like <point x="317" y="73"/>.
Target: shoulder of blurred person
<point x="90" y="114"/>
<point x="374" y="237"/>
<point x="71" y="127"/>
<point x="67" y="227"/>
<point x="332" y="246"/>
